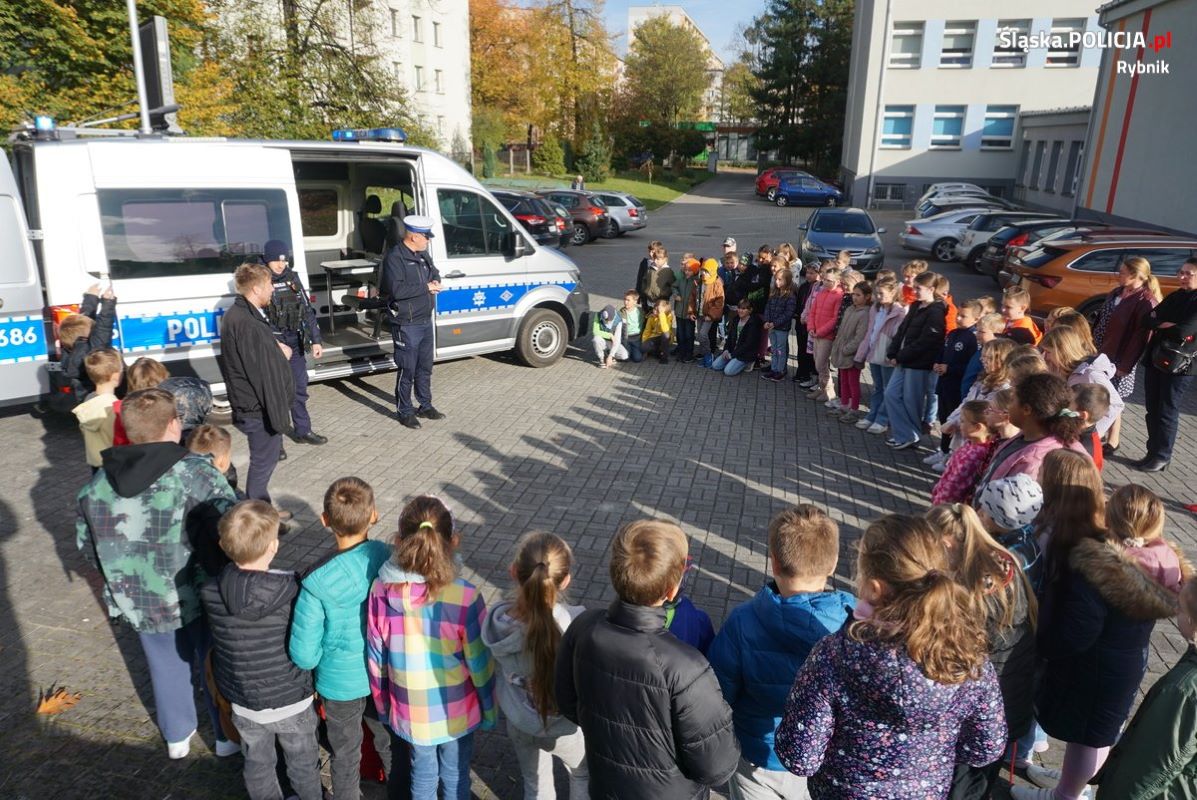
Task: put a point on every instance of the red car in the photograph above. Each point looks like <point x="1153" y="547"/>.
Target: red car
<point x="766" y="182"/>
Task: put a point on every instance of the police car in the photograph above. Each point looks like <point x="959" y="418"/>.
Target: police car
<point x="168" y="219"/>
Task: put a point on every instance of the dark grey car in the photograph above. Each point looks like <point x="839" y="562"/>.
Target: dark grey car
<point x="829" y="230"/>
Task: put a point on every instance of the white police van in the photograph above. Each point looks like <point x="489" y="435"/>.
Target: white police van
<point x="168" y="220"/>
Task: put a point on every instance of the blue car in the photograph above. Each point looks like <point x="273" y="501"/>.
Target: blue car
<point x="803" y="190"/>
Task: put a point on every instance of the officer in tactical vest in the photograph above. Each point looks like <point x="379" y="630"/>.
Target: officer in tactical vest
<point x="293" y="320"/>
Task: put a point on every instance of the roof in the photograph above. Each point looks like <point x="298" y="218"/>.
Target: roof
<point x="1066" y="110"/>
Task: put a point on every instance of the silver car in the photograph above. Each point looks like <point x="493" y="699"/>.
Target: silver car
<point x="627" y="213"/>
<point x="938" y="235"/>
<point x="829" y="230"/>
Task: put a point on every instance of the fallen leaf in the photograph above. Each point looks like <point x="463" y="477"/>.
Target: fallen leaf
<point x="56" y="700"/>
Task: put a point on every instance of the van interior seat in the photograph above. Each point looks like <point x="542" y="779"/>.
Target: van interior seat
<point x="395" y="228"/>
<point x="371" y="230"/>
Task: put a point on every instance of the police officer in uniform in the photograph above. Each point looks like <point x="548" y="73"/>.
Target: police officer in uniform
<point x="409" y="284"/>
<point x="293" y="320"/>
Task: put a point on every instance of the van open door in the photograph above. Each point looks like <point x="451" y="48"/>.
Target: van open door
<point x="23" y="341"/>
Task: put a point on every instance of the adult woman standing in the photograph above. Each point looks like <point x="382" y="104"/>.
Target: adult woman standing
<point x="1173" y="322"/>
<point x="1120" y="333"/>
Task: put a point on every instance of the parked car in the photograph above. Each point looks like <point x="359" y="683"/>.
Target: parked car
<point x="534" y="213"/>
<point x="984" y="225"/>
<point x="829" y="230"/>
<point x="1079" y="272"/>
<point x="802" y="190"/>
<point x="1025" y="233"/>
<point x="940" y="203"/>
<point x="766" y="182"/>
<point x="627" y="212"/>
<point x="587" y="210"/>
<point x="938" y="235"/>
<point x="565" y="222"/>
<point x="948" y="188"/>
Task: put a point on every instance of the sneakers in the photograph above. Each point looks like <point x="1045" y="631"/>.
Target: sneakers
<point x="850" y="416"/>
<point x="778" y="377"/>
<point x="939" y="467"/>
<point x="808" y="383"/>
<point x="934" y="458"/>
<point x="751" y="366"/>
<point x="833" y="403"/>
<point x="1045" y="777"/>
<point x="179" y="749"/>
<point x="429" y="413"/>
<point x="903" y="445"/>
<point x="1024" y="763"/>
<point x="864" y="424"/>
<point x="225" y="748"/>
<point x="876" y="429"/>
<point x="819" y="397"/>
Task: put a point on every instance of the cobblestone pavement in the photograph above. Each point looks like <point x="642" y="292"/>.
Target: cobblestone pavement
<point x="572" y="449"/>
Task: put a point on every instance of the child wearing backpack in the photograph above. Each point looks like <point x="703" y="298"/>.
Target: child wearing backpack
<point x="523" y="634"/>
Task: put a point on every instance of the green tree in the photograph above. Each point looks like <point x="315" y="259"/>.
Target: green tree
<point x="802" y="49"/>
<point x="666" y="71"/>
<point x="738" y="86"/>
<point x="594" y="156"/>
<point x="549" y="158"/>
<point x="489" y="131"/>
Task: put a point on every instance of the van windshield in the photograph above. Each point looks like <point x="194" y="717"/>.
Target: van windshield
<point x="159" y="233"/>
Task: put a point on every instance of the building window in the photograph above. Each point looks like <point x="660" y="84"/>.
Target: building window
<point x="1006" y="52"/>
<point x="1065" y="47"/>
<point x="419" y="79"/>
<point x="440" y="125"/>
<point x="436" y="34"/>
<point x="395" y="30"/>
<point x="998" y="133"/>
<point x="947" y="127"/>
<point x="889" y="191"/>
<point x="397" y="69"/>
<point x="417" y="29"/>
<point x="897" y="126"/>
<point x="1037" y="167"/>
<point x="1023" y="162"/>
<point x="1053" y="165"/>
<point x="438" y="78"/>
<point x="907" y="49"/>
<point x="1072" y="170"/>
<point x="958" y="40"/>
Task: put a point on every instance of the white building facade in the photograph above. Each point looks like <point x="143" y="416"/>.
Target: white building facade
<point x="933" y="97"/>
<point x="712" y="99"/>
<point x="1050" y="147"/>
<point x="426" y="44"/>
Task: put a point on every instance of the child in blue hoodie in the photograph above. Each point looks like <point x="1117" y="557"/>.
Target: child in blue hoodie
<point x="764" y="642"/>
<point x="329" y="623"/>
<point x="958" y="350"/>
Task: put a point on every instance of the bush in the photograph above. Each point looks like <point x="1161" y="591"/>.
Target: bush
<point x="549" y="157"/>
<point x="489" y="162"/>
<point x="594" y="157"/>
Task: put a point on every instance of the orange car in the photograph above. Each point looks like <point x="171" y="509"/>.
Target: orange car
<point x="1079" y="272"/>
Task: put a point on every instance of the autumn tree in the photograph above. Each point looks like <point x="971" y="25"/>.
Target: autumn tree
<point x="666" y="71"/>
<point x="737" y="104"/>
<point x="577" y="70"/>
<point x="502" y="46"/>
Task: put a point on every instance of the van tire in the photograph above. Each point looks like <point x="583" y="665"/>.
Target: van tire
<point x="542" y="338"/>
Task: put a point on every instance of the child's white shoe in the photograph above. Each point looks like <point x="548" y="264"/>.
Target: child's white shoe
<point x="864" y="424"/>
<point x="180" y="749"/>
<point x="1045" y="777"/>
<point x="939" y="467"/>
<point x="877" y="429"/>
<point x="226" y="748"/>
<point x="833" y="402"/>
<point x="933" y="458"/>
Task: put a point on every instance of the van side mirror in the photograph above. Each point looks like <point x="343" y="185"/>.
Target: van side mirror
<point x="514" y="245"/>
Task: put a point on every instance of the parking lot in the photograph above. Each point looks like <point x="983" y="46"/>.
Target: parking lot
<point x="572" y="449"/>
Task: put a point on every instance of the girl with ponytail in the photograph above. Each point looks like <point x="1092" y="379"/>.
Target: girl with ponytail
<point x="430" y="674"/>
<point x="523" y="635"/>
<point x="915" y="657"/>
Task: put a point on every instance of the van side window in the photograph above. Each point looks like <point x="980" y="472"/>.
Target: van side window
<point x="163" y="233"/>
<point x="473" y="225"/>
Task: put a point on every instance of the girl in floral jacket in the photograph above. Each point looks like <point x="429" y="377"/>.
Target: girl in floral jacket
<point x="886" y="707"/>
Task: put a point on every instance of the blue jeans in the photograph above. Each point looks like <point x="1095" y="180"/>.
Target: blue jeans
<point x="171" y="657"/>
<point x="729" y="366"/>
<point x="685" y="338"/>
<point x="635" y="348"/>
<point x="447" y="764"/>
<point x="932" y="409"/>
<point x="779" y="341"/>
<point x="905" y="402"/>
<point x="881" y="374"/>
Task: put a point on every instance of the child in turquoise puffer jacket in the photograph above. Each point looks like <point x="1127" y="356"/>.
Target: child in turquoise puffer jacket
<point x="328" y="627"/>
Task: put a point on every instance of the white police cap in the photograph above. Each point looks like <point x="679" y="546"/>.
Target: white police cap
<point x="418" y="223"/>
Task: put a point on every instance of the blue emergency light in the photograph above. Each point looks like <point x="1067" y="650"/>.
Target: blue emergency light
<point x="369" y="135"/>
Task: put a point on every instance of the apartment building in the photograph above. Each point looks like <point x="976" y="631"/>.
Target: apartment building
<point x="933" y="97"/>
<point x="427" y="45"/>
<point x="1138" y="166"/>
<point x="712" y="99"/>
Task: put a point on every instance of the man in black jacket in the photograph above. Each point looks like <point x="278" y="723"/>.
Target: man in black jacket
<point x="409" y="283"/>
<point x="249" y="610"/>
<point x="257" y="377"/>
<point x="650" y="709"/>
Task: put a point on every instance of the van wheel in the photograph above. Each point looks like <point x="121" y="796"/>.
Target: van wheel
<point x="581" y="234"/>
<point x="542" y="338"/>
<point x="944" y="250"/>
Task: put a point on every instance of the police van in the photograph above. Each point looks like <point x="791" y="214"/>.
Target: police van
<point x="168" y="219"/>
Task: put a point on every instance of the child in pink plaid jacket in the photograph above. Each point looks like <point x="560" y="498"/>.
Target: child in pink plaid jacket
<point x="963" y="470"/>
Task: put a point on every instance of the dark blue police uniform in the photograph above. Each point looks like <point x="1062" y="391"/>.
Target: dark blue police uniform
<point x="410" y="308"/>
<point x="293" y="321"/>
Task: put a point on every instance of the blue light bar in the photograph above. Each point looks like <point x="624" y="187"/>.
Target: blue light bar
<point x="43" y="123"/>
<point x="369" y="135"/>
